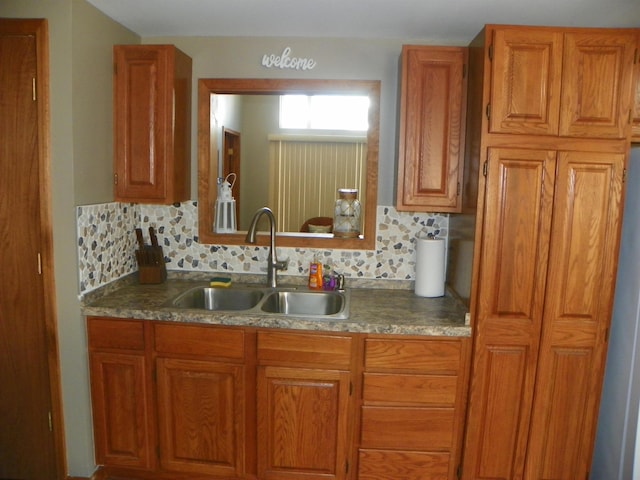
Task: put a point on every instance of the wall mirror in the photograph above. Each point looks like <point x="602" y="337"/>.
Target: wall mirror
<point x="294" y="172"/>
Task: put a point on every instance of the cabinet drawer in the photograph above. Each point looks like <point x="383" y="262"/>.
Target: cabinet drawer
<point x="417" y="355"/>
<point x="407" y="428"/>
<point x="199" y="340"/>
<point x="304" y="348"/>
<point x="115" y="333"/>
<point x="437" y="390"/>
<point x="387" y="465"/>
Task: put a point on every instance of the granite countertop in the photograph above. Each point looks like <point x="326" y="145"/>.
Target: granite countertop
<point x="372" y="310"/>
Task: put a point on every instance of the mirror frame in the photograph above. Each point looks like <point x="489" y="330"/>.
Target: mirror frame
<point x="206" y="142"/>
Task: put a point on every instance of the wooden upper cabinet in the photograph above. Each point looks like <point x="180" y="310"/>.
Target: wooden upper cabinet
<point x="566" y="82"/>
<point x="635" y="127"/>
<point x="152" y="114"/>
<point x="432" y="125"/>
<point x="526" y="75"/>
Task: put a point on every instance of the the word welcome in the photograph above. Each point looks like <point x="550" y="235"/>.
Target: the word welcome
<point x="286" y="61"/>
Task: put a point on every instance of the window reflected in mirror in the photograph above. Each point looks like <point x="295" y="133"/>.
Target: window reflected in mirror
<point x="293" y="161"/>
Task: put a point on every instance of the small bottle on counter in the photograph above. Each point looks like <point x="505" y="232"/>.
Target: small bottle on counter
<point x="315" y="274"/>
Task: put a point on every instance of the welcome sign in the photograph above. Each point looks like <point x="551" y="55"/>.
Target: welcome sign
<point x="285" y="60"/>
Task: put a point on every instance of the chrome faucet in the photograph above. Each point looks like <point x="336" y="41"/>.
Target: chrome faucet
<point x="273" y="264"/>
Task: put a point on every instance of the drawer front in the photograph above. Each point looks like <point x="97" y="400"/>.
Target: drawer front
<point x="398" y="465"/>
<point x="416" y="355"/>
<point x="406" y="389"/>
<point x="110" y="333"/>
<point x="199" y="340"/>
<point x="304" y="348"/>
<point x="407" y="428"/>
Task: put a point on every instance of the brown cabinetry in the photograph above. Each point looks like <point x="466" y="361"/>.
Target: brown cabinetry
<point x="201" y="399"/>
<point x="550" y="214"/>
<point x="546" y="81"/>
<point x="413" y="408"/>
<point x="305" y="407"/>
<point x="121" y="394"/>
<point x="432" y="120"/>
<point x="152" y="114"/>
<point x="635" y="128"/>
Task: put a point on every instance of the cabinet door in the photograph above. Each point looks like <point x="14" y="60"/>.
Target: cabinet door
<point x="513" y="263"/>
<point x="580" y="286"/>
<point x="201" y="417"/>
<point x="120" y="397"/>
<point x="526" y="81"/>
<point x="432" y="108"/>
<point x="152" y="90"/>
<point x="635" y="93"/>
<point x="596" y="84"/>
<point x="302" y="423"/>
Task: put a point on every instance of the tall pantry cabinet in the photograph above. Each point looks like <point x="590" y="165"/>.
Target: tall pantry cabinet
<point x="549" y="129"/>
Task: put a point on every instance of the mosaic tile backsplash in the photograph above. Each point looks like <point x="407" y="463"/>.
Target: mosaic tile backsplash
<point x="107" y="242"/>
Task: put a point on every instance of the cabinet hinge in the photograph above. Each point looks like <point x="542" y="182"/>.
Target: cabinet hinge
<point x="624" y="175"/>
<point x="350" y="388"/>
<point x="115" y="179"/>
<point x="50" y="422"/>
<point x="458" y="189"/>
<point x="346" y="467"/>
<point x="491" y="52"/>
<point x="488" y="110"/>
<point x="459" y="471"/>
<point x="485" y="169"/>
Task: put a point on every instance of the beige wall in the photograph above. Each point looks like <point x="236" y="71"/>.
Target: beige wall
<point x="80" y="39"/>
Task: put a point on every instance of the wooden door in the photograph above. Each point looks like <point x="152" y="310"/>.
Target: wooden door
<point x="581" y="280"/>
<point x="233" y="164"/>
<point x="302" y="423"/>
<point x="120" y="396"/>
<point x="141" y="108"/>
<point x="596" y="84"/>
<point x="432" y="111"/>
<point x="201" y="417"/>
<point x="635" y="92"/>
<point x="513" y="264"/>
<point x="31" y="435"/>
<point x="526" y="69"/>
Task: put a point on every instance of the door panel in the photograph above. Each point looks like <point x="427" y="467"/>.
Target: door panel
<point x="582" y="271"/>
<point x="27" y="331"/>
<point x="526" y="73"/>
<point x="517" y="221"/>
<point x="201" y="416"/>
<point x="596" y="92"/>
<point x="302" y="423"/>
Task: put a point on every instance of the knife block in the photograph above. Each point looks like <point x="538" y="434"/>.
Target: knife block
<point x="151" y="266"/>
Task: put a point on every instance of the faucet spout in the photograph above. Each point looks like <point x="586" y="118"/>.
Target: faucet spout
<point x="273" y="264"/>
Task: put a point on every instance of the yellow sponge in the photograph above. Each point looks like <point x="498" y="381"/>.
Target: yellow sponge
<point x="223" y="282"/>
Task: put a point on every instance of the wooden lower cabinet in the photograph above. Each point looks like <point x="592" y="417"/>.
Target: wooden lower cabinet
<point x="184" y="401"/>
<point x="413" y="408"/>
<point x="305" y="405"/>
<point x="121" y="394"/>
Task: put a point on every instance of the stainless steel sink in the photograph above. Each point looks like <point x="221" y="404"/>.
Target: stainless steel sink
<point x="211" y="298"/>
<point x="266" y="301"/>
<point x="304" y="303"/>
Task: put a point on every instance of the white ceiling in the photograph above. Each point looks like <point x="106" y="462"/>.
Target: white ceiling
<point x="451" y="21"/>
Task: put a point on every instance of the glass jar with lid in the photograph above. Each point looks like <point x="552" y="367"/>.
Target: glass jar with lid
<point x="346" y="222"/>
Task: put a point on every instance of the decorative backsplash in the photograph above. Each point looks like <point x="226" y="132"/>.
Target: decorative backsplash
<point x="107" y="241"/>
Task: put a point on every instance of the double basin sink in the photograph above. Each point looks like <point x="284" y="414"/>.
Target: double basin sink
<point x="267" y="301"/>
